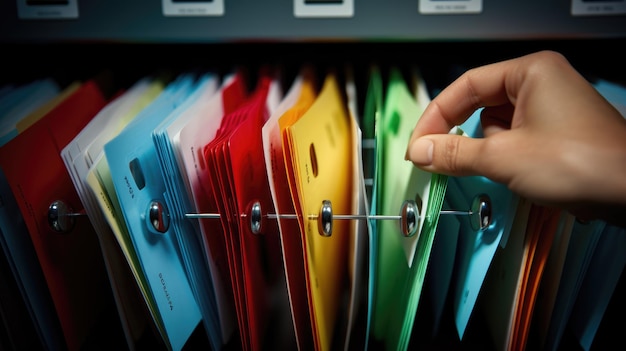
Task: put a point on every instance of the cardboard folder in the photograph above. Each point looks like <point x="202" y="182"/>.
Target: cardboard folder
<point x="72" y="263"/>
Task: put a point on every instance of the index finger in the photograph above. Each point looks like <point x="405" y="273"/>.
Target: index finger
<point x="478" y="87"/>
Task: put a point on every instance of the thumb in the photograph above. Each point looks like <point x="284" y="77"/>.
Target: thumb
<point x="449" y="154"/>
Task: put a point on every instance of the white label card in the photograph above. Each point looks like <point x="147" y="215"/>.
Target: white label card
<point x="193" y="7"/>
<point x="47" y="9"/>
<point x="436" y="7"/>
<point x="323" y="8"/>
<point x="598" y="7"/>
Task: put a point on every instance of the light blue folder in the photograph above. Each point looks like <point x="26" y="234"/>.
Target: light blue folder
<point x="187" y="232"/>
<point x="137" y="179"/>
<point x="476" y="248"/>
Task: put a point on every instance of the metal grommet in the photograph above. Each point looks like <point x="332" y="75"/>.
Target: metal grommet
<point x="256" y="218"/>
<point x="60" y="218"/>
<point x="325" y="219"/>
<point x="158" y="217"/>
<point x="481" y="217"/>
<point x="409" y="214"/>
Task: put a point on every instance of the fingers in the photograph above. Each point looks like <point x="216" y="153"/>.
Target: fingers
<point x="495" y="87"/>
<point x="449" y="154"/>
<point x="478" y="87"/>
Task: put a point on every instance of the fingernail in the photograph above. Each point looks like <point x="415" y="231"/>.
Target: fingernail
<point x="421" y="152"/>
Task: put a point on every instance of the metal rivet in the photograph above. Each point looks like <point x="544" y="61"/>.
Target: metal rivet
<point x="480" y="217"/>
<point x="409" y="214"/>
<point x="60" y="217"/>
<point x="256" y="218"/>
<point x="325" y="219"/>
<point x="158" y="216"/>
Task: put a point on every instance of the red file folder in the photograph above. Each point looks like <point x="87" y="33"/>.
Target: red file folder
<point x="71" y="262"/>
<point x="240" y="177"/>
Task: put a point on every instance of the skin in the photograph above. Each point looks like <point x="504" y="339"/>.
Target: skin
<point x="549" y="135"/>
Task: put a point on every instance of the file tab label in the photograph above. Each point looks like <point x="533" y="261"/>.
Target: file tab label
<point x="598" y="7"/>
<point x="435" y="7"/>
<point x="323" y="8"/>
<point x="193" y="7"/>
<point x="47" y="9"/>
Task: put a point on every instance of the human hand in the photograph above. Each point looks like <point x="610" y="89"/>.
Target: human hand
<point x="549" y="135"/>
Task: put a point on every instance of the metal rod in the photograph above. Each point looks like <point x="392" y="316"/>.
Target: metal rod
<point x="60" y="216"/>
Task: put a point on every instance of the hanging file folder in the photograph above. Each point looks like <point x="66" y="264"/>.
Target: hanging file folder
<point x="402" y="261"/>
<point x="476" y="248"/>
<point x="165" y="137"/>
<point x="100" y="187"/>
<point x="238" y="180"/>
<point x="135" y="306"/>
<point x="298" y="99"/>
<point x="200" y="131"/>
<point x="133" y="166"/>
<point x="318" y="151"/>
<point x="15" y="240"/>
<point x="72" y="264"/>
